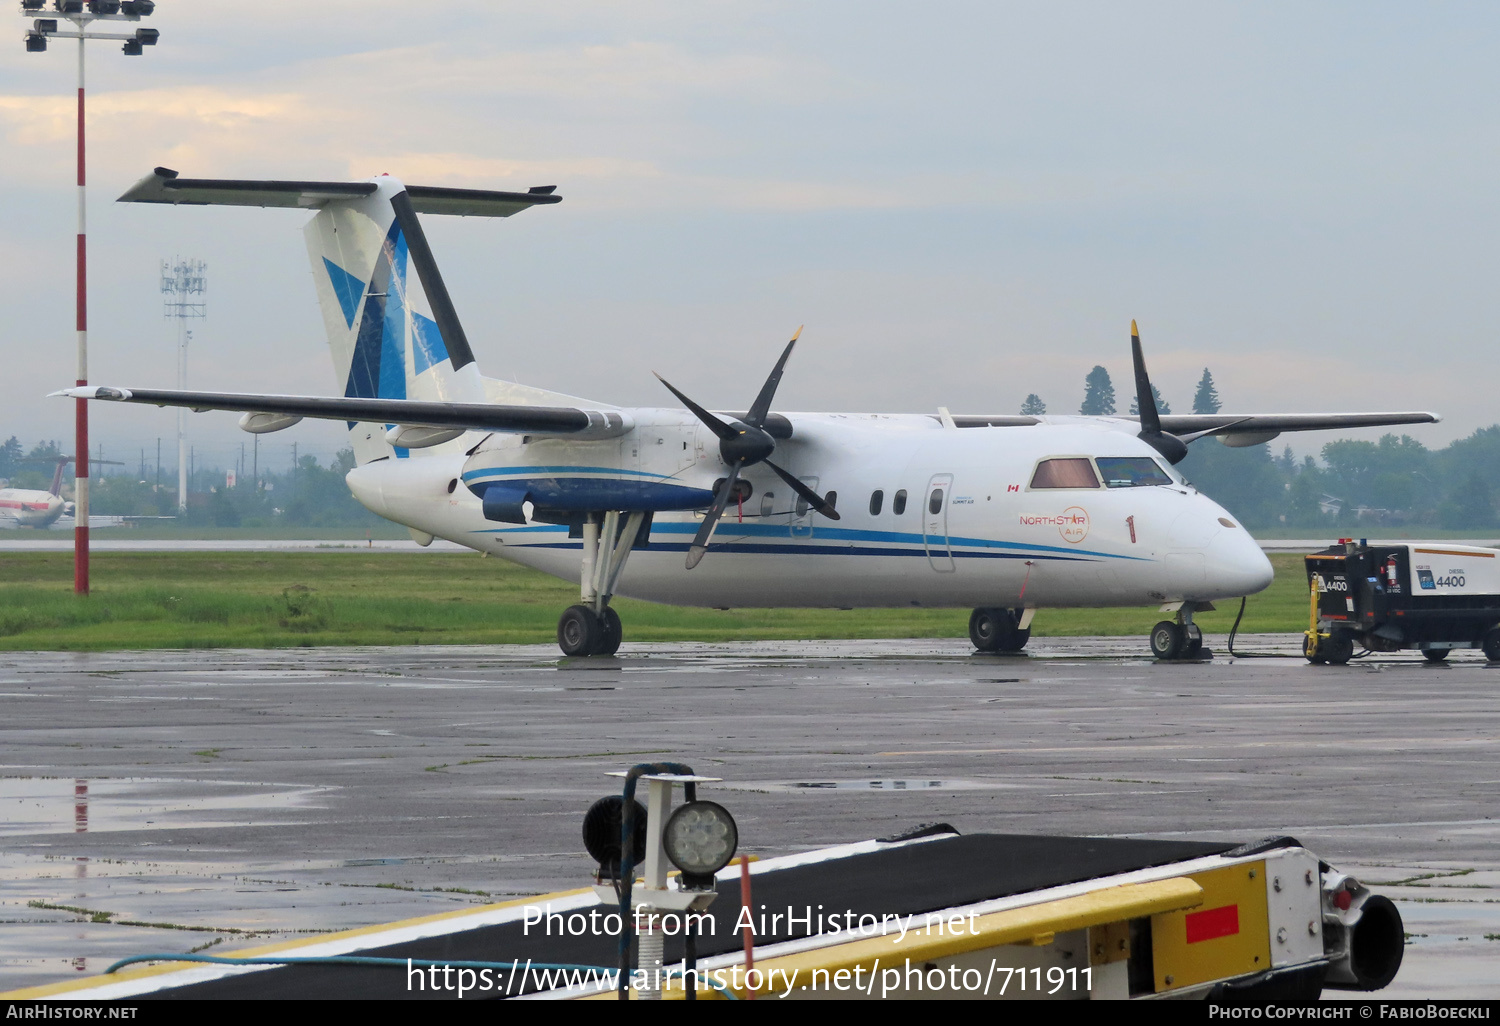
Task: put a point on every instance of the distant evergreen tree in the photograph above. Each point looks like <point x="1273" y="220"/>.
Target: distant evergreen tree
<point x="1161" y="404"/>
<point x="1206" y="400"/>
<point x="10" y="457"/>
<point x="1287" y="462"/>
<point x="45" y="452"/>
<point x="1098" y="394"/>
<point x="1033" y="406"/>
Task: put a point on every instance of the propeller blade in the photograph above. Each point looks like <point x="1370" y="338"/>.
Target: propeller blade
<point x="762" y="405"/>
<point x="813" y="498"/>
<point x="711" y="518"/>
<point x="1169" y="445"/>
<point x="716" y="425"/>
<point x="1145" y="399"/>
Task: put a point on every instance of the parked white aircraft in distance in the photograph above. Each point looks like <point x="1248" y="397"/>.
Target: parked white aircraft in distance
<point x="32" y="507"/>
<point x="1000" y="514"/>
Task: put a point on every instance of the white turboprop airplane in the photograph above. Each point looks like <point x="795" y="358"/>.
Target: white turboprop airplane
<point x="1001" y="514"/>
<point x="32" y="507"/>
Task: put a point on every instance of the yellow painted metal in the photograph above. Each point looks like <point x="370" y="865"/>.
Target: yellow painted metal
<point x="1013" y="926"/>
<point x="1314" y="637"/>
<point x="1109" y="943"/>
<point x="1180" y="962"/>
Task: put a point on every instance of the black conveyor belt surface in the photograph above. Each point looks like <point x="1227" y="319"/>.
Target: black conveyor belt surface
<point x="942" y="873"/>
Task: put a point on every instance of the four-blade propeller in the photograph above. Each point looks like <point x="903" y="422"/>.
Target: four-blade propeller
<point x="744" y="443"/>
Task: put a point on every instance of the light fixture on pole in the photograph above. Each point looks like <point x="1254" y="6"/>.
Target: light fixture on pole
<point x="80" y="14"/>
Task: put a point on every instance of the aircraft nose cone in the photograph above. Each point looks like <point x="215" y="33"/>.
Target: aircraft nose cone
<point x="1236" y="562"/>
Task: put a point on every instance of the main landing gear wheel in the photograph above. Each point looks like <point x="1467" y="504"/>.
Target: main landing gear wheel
<point x="994" y="629"/>
<point x="583" y="632"/>
<point x="1435" y="655"/>
<point x="579" y="631"/>
<point x="1168" y="639"/>
<point x="613" y="632"/>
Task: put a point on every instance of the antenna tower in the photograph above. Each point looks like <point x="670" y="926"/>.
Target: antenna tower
<point x="184" y="288"/>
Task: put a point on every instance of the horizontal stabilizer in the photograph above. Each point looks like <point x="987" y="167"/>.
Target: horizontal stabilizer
<point x="163" y="185"/>
<point x="541" y="420"/>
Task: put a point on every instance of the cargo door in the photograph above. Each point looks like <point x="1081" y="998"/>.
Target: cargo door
<point x="935" y="523"/>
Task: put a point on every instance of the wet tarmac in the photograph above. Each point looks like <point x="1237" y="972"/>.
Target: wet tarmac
<point x="166" y="801"/>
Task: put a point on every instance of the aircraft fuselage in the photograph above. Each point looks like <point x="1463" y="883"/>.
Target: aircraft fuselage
<point x="971" y="530"/>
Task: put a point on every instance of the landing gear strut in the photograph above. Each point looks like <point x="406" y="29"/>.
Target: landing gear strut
<point x="592" y="627"/>
<point x="1179" y="638"/>
<point x="999" y="630"/>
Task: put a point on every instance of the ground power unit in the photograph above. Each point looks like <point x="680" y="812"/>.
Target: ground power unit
<point x="1430" y="596"/>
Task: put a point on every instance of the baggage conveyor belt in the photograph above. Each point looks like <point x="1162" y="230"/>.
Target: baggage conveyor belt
<point x="1176" y="917"/>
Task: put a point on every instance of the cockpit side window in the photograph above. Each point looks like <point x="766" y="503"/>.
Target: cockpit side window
<point x="1131" y="472"/>
<point x="1073" y="472"/>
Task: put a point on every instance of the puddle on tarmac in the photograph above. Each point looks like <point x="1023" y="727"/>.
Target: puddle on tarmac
<point x="53" y="805"/>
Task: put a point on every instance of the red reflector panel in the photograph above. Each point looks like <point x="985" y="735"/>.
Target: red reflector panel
<point x="1214" y="922"/>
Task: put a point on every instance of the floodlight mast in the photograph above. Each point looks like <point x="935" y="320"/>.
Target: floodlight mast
<point x="183" y="283"/>
<point x="80" y="13"/>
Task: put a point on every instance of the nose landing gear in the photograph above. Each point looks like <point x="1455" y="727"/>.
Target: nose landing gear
<point x="1179" y="639"/>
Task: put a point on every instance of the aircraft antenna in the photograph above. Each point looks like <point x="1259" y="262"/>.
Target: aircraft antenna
<point x="184" y="288"/>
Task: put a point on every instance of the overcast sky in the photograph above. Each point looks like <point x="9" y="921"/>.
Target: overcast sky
<point x="964" y="202"/>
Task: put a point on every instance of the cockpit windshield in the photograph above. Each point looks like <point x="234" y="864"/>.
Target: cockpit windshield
<point x="1072" y="472"/>
<point x="1131" y="472"/>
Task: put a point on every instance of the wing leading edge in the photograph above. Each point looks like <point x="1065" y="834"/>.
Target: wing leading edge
<point x="543" y="420"/>
<point x="1233" y="429"/>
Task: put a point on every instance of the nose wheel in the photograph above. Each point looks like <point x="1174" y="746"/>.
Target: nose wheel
<point x="1179" y="640"/>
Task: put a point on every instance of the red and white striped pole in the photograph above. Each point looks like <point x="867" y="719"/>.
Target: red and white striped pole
<point x="81" y="445"/>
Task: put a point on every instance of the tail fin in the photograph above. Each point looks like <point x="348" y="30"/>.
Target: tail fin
<point x="384" y="327"/>
<point x="56" y="489"/>
<point x="393" y="335"/>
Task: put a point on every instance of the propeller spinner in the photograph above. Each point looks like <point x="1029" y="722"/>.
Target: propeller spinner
<point x="744" y="443"/>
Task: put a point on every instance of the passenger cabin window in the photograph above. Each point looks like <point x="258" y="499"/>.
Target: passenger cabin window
<point x="1131" y="472"/>
<point x="801" y="506"/>
<point x="767" y="503"/>
<point x="876" y="498"/>
<point x="832" y="498"/>
<point x="935" y="504"/>
<point x="1065" y="473"/>
<point x="898" y="503"/>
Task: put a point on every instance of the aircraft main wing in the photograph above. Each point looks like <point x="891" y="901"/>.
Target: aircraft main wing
<point x="547" y="420"/>
<point x="1241" y="430"/>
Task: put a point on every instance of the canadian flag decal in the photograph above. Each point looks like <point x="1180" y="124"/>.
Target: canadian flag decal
<point x="1212" y="923"/>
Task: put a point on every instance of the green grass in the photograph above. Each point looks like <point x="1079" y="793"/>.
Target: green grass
<point x="290" y="599"/>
